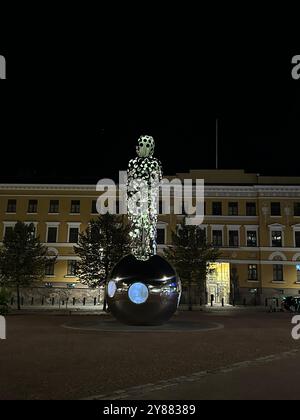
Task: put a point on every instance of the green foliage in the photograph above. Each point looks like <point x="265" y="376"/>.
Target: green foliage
<point x="191" y="254"/>
<point x="100" y="247"/>
<point x="22" y="258"/>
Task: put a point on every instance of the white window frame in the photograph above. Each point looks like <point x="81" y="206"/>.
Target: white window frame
<point x="73" y="225"/>
<point x="217" y="227"/>
<point x="234" y="228"/>
<point x="296" y="228"/>
<point x="273" y="228"/>
<point x="251" y="228"/>
<point x="52" y="224"/>
<point x="7" y="224"/>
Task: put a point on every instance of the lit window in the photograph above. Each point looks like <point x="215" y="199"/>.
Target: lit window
<point x="298" y="272"/>
<point x="138" y="293"/>
<point x="252" y="272"/>
<point x="251" y="238"/>
<point x="276" y="238"/>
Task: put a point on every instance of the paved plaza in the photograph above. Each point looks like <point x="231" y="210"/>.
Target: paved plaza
<point x="227" y="353"/>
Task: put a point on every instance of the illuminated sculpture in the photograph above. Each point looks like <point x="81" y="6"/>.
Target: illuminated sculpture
<point x="144" y="175"/>
<point x="143" y="288"/>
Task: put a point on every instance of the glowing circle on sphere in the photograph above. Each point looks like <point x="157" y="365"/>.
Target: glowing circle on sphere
<point x="138" y="293"/>
<point x="111" y="288"/>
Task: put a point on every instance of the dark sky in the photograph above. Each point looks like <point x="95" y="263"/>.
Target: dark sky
<point x="77" y="120"/>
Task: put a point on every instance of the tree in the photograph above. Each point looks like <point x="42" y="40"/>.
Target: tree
<point x="4" y="300"/>
<point x="104" y="242"/>
<point x="191" y="254"/>
<point x="22" y="259"/>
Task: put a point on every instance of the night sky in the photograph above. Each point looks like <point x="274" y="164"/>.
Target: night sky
<point x="78" y="120"/>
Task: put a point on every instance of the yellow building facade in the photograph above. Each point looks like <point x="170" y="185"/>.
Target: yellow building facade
<point x="253" y="220"/>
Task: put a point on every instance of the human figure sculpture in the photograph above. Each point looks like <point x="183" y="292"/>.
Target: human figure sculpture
<point x="144" y="175"/>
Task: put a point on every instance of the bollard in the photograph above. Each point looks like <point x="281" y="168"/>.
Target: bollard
<point x="53" y="301"/>
<point x="42" y="300"/>
<point x="211" y="300"/>
<point x="277" y="302"/>
<point x="222" y="301"/>
<point x="32" y="300"/>
<point x="95" y="301"/>
<point x="73" y="301"/>
<point x="266" y="301"/>
<point x="83" y="301"/>
<point x="244" y="301"/>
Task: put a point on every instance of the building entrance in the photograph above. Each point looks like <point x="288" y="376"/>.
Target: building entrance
<point x="218" y="282"/>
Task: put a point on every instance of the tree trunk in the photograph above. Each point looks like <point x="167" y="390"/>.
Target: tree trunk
<point x="18" y="297"/>
<point x="190" y="297"/>
<point x="104" y="299"/>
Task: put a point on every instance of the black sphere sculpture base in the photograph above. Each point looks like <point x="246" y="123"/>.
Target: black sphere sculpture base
<point x="143" y="292"/>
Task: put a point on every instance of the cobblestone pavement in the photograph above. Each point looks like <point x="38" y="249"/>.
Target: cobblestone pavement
<point x="40" y="359"/>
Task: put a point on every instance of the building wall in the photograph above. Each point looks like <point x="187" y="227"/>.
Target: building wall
<point x="218" y="188"/>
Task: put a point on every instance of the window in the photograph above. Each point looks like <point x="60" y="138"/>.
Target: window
<point x="251" y="238"/>
<point x="217" y="237"/>
<point x="8" y="231"/>
<point x="297" y="239"/>
<point x="52" y="234"/>
<point x="11" y="206"/>
<point x="276" y="238"/>
<point x="54" y="206"/>
<point x="250" y="209"/>
<point x="233" y="238"/>
<point x="278" y="272"/>
<point x="49" y="268"/>
<point x="32" y="206"/>
<point x="252" y="272"/>
<point x="72" y="268"/>
<point x="233" y="209"/>
<point x="217" y="208"/>
<point x="275" y="209"/>
<point x="298" y="272"/>
<point x="75" y="206"/>
<point x="160" y="239"/>
<point x="94" y="208"/>
<point x="73" y="235"/>
<point x="296" y="209"/>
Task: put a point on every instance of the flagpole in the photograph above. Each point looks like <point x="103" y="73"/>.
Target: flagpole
<point x="217" y="140"/>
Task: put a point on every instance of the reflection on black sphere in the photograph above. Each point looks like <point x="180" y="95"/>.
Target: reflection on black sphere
<point x="143" y="292"/>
